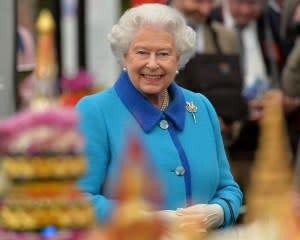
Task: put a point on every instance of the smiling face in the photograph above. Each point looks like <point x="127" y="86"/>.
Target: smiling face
<point x="151" y="62"/>
<point x="245" y="11"/>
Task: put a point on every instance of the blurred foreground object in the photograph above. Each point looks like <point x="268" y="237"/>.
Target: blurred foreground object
<point x="269" y="197"/>
<point x="42" y="157"/>
<point x="41" y="152"/>
<point x="130" y="219"/>
<point x="272" y="207"/>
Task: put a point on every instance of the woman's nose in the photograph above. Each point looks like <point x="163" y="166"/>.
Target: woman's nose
<point x="152" y="62"/>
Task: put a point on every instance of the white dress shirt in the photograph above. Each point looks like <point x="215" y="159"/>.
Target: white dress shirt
<point x="253" y="63"/>
<point x="199" y="38"/>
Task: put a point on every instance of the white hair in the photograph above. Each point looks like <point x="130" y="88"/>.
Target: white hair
<point x="154" y="15"/>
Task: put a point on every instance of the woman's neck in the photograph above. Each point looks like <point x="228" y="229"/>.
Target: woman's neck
<point x="161" y="101"/>
<point x="165" y="102"/>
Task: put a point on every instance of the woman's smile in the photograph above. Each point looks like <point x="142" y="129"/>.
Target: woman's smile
<point x="151" y="78"/>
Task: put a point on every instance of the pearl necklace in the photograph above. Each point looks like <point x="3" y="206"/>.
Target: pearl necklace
<point x="166" y="100"/>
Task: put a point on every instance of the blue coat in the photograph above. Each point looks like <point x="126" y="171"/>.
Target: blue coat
<point x="195" y="146"/>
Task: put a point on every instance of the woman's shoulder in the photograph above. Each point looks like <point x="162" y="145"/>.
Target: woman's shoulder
<point x="98" y="99"/>
<point x="201" y="102"/>
<point x="191" y="96"/>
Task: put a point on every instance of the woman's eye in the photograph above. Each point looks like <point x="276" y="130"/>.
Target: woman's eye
<point x="163" y="54"/>
<point x="141" y="53"/>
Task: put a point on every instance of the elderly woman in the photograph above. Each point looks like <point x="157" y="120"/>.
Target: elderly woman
<point x="179" y="128"/>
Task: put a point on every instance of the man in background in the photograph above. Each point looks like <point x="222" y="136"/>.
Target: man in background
<point x="214" y="42"/>
<point x="263" y="56"/>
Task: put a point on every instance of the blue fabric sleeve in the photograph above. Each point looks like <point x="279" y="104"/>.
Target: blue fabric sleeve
<point x="93" y="129"/>
<point x="227" y="187"/>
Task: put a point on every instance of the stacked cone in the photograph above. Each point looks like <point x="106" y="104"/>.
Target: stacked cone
<point x="268" y="198"/>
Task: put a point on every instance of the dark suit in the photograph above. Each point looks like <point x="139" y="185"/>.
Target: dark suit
<point x="280" y="46"/>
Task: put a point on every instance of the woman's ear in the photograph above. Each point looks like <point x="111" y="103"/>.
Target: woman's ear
<point x="178" y="63"/>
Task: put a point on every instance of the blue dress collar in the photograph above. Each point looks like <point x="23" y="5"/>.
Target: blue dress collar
<point x="146" y="114"/>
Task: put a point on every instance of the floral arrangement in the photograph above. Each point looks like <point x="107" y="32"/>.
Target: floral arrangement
<point x="33" y="132"/>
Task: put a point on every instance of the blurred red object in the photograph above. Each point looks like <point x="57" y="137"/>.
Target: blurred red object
<point x="71" y="98"/>
<point x="76" y="87"/>
<point x="137" y="2"/>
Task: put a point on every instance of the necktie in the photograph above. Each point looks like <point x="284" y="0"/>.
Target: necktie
<point x="239" y="30"/>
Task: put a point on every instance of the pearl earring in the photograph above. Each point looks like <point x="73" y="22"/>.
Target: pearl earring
<point x="124" y="69"/>
<point x="177" y="71"/>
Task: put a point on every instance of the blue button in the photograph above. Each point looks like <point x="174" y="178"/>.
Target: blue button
<point x="179" y="171"/>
